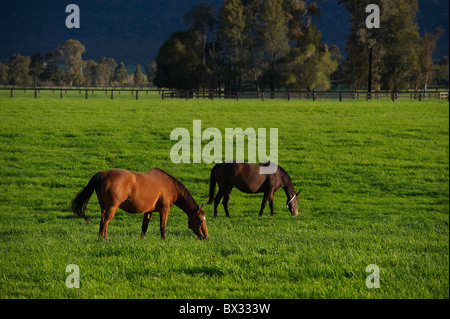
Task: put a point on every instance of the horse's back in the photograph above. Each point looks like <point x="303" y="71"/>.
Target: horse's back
<point x="134" y="192"/>
<point x="117" y="184"/>
<point x="243" y="176"/>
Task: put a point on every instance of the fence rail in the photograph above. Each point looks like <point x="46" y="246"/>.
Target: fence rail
<point x="313" y="95"/>
<point x="261" y="95"/>
<point x="85" y="90"/>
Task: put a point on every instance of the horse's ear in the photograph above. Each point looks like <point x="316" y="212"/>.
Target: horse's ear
<point x="298" y="192"/>
<point x="201" y="207"/>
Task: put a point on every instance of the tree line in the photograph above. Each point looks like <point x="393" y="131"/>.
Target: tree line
<point x="65" y="66"/>
<point x="249" y="44"/>
<point x="261" y="45"/>
<point x="275" y="44"/>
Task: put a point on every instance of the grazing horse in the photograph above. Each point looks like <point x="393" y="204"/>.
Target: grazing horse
<point x="247" y="178"/>
<point x="152" y="191"/>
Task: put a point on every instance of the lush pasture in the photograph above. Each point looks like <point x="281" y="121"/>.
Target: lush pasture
<point x="374" y="178"/>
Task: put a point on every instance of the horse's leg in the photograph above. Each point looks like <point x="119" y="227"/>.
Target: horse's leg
<point x="271" y="204"/>
<point x="226" y="199"/>
<point x="163" y="221"/>
<point x="145" y="221"/>
<point x="217" y="200"/>
<point x="107" y="215"/>
<point x="264" y="201"/>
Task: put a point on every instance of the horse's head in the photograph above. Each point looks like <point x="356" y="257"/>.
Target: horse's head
<point x="197" y="222"/>
<point x="292" y="204"/>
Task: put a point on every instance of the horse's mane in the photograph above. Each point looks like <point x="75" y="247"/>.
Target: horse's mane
<point x="182" y="190"/>
<point x="285" y="177"/>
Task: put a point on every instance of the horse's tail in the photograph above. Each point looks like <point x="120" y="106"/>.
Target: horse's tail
<point x="80" y="201"/>
<point x="212" y="183"/>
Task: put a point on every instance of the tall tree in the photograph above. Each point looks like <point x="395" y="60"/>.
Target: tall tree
<point x="70" y="53"/>
<point x="231" y="37"/>
<point x="394" y="45"/>
<point x="310" y="63"/>
<point x="101" y="74"/>
<point x="51" y="71"/>
<point x="201" y="22"/>
<point x="3" y="74"/>
<point x="151" y="71"/>
<point x="273" y="34"/>
<point x="18" y="69"/>
<point x="251" y="54"/>
<point x="425" y="66"/>
<point x="441" y="72"/>
<point x="178" y="63"/>
<point x="120" y="74"/>
<point x="37" y="66"/>
<point x="399" y="42"/>
<point x="138" y="77"/>
<point x="88" y="70"/>
<point x="104" y="73"/>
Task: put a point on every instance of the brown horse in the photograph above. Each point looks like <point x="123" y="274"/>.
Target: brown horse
<point x="247" y="178"/>
<point x="152" y="191"/>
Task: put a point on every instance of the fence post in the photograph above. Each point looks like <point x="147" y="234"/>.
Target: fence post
<point x="340" y="96"/>
<point x="87" y="93"/>
<point x="237" y="96"/>
<point x="12" y="93"/>
<point x="163" y="95"/>
<point x="112" y="94"/>
<point x="61" y="93"/>
<point x="35" y="93"/>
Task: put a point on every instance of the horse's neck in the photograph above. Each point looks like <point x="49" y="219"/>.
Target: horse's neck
<point x="288" y="187"/>
<point x="289" y="191"/>
<point x="186" y="203"/>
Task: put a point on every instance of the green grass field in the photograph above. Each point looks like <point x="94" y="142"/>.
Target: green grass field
<point x="374" y="178"/>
